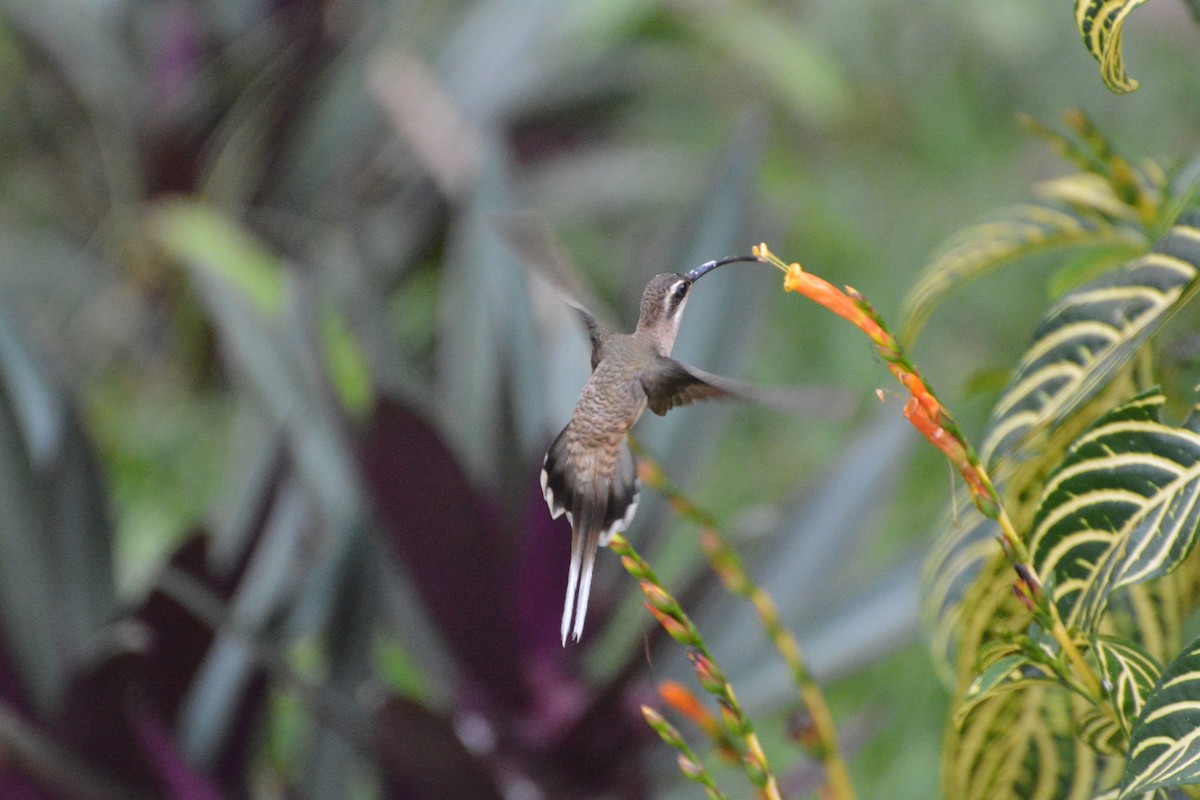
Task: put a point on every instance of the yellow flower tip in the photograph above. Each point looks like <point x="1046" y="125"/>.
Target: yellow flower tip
<point x="793" y="277"/>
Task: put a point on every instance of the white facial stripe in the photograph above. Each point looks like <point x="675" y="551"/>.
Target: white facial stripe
<point x="673" y="304"/>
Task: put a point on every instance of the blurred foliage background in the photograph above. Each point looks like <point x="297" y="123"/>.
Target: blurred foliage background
<point x="274" y="386"/>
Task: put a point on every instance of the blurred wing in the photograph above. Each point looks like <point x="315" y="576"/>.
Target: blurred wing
<point x="672" y="384"/>
<point x="677" y="384"/>
<point x="530" y="238"/>
<point x="596" y="330"/>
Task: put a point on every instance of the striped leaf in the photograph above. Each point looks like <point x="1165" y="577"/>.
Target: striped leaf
<point x="1157" y="794"/>
<point x="1006" y="673"/>
<point x="952" y="570"/>
<point x="1164" y="748"/>
<point x="1100" y="23"/>
<point x="1099" y="729"/>
<point x="1163" y="531"/>
<point x="1122" y="508"/>
<point x="1021" y="745"/>
<point x="1038" y="402"/>
<point x="1128" y="674"/>
<point x="1020" y="232"/>
<point x="968" y="540"/>
<point x="1086" y="337"/>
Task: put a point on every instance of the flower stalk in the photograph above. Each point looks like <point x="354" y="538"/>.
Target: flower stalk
<point x="728" y="565"/>
<point x="691" y="766"/>
<point x="666" y="610"/>
<point x="935" y="423"/>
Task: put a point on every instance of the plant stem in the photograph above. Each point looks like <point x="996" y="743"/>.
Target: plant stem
<point x="729" y="567"/>
<point x="681" y="628"/>
<point x="1019" y="553"/>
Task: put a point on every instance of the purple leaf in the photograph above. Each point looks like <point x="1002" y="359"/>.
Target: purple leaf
<point x="544" y="554"/>
<point x="178" y="644"/>
<point x="457" y="553"/>
<point x="180" y="779"/>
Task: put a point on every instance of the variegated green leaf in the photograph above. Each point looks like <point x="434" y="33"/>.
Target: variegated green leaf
<point x="979" y="249"/>
<point x="968" y="542"/>
<point x="951" y="570"/>
<point x="1091" y="192"/>
<point x="1100" y="23"/>
<point x="1163" y="530"/>
<point x="1021" y="745"/>
<point x="1087" y="336"/>
<point x="1164" y="747"/>
<point x="1157" y="794"/>
<point x="1128" y="672"/>
<point x="1122" y="508"/>
<point x="1005" y="674"/>
<point x="1100" y="729"/>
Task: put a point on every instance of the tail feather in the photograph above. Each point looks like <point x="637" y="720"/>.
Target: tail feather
<point x="585" y="586"/>
<point x="597" y="506"/>
<point x="572" y="583"/>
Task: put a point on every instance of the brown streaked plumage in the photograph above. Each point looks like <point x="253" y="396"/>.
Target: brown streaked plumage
<point x="589" y="472"/>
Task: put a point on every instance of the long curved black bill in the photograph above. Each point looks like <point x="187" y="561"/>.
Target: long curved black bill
<point x="708" y="266"/>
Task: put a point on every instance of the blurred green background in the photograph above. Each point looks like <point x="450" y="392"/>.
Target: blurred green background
<point x="276" y="386"/>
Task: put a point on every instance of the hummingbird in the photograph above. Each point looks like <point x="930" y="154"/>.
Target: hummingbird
<point x="589" y="472"/>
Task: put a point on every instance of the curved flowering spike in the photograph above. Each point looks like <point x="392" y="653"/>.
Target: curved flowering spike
<point x="681" y="698"/>
<point x="689" y="764"/>
<point x="923" y="409"/>
<point x="934" y="422"/>
<point x="668" y="613"/>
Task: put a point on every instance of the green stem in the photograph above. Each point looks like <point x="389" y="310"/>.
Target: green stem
<point x="712" y="679"/>
<point x="729" y="567"/>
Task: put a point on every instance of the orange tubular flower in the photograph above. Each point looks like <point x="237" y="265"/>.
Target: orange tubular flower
<point x="923" y="410"/>
<point x="680" y="698"/>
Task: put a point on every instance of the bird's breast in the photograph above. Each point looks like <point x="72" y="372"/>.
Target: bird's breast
<point x="610" y="403"/>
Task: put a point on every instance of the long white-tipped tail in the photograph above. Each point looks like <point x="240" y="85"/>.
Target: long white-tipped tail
<point x="597" y="506"/>
<point x="572" y="584"/>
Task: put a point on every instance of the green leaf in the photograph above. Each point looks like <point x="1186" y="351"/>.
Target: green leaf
<point x="212" y="244"/>
<point x="952" y="572"/>
<point x="1163" y="530"/>
<point x="1100" y="729"/>
<point x="1021" y="745"/>
<point x="1017" y="233"/>
<point x="1089" y="264"/>
<point x="1164" y="747"/>
<point x="56" y="586"/>
<point x="1122" y="507"/>
<point x="346" y="363"/>
<point x="1086" y="337"/>
<point x="1008" y="672"/>
<point x="1100" y="23"/>
<point x="1128" y="673"/>
<point x="1157" y="794"/>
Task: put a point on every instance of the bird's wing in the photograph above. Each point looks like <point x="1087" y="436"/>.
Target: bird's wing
<point x="672" y="384"/>
<point x="531" y="240"/>
<point x="596" y="331"/>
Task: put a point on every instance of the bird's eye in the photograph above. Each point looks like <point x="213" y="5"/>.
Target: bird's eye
<point x="681" y="289"/>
